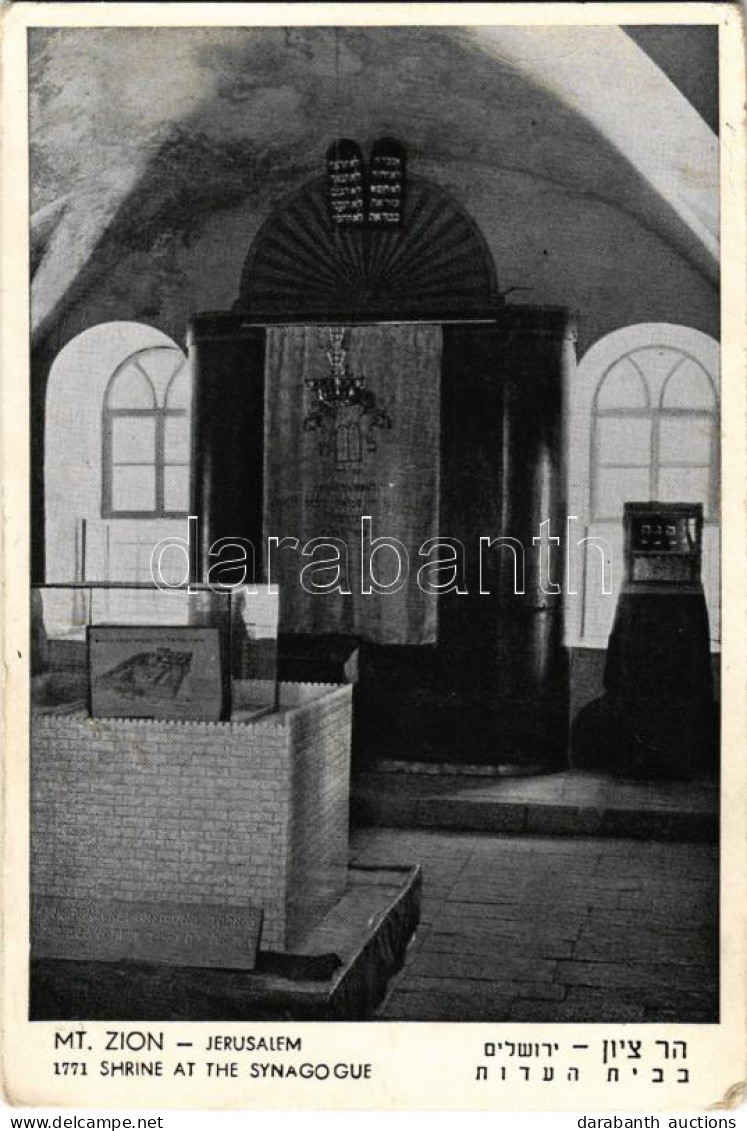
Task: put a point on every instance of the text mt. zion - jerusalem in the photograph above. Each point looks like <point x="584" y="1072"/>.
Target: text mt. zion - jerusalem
<point x="225" y="1043"/>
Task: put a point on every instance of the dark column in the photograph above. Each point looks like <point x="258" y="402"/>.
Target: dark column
<point x="530" y="659"/>
<point x="227" y="359"/>
<point x="503" y="476"/>
<point x="495" y="687"/>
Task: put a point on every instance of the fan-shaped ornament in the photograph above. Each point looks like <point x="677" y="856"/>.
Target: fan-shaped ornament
<point x="303" y="266"/>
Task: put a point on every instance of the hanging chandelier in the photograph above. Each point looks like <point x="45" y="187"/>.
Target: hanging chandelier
<point x="339" y="388"/>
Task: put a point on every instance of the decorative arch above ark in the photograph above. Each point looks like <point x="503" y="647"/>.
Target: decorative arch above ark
<point x="435" y="265"/>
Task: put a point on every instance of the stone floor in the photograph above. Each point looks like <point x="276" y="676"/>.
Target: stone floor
<point x="567" y="803"/>
<point x="533" y="928"/>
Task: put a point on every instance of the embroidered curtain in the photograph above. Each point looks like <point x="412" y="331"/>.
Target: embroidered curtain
<point x="331" y="463"/>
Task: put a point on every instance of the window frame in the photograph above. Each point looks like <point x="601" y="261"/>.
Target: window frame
<point x="159" y="414"/>
<point x="583" y="628"/>
<point x="655" y="412"/>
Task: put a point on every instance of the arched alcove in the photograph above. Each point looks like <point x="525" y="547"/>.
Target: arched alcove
<point x="436" y="264"/>
<point x="97" y="526"/>
<point x="643" y="425"/>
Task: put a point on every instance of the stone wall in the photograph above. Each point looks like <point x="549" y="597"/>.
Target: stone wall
<point x="320" y="799"/>
<point x="207" y="813"/>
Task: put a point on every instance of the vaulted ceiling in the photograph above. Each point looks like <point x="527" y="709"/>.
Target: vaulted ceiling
<point x="142" y="132"/>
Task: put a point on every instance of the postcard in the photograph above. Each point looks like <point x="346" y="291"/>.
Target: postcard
<point x="373" y="560"/>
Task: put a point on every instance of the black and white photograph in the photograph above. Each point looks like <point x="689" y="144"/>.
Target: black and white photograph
<point x="375" y="525"/>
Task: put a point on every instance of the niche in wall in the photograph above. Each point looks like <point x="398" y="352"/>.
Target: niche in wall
<point x="116" y="452"/>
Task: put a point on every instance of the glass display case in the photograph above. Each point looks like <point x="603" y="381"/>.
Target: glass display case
<point x="138" y="651"/>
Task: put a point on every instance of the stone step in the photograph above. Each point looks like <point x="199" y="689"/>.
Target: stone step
<point x="569" y="804"/>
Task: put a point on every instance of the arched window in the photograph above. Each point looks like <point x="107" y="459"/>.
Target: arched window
<point x="654" y="432"/>
<point x="116" y="453"/>
<point x="145" y="460"/>
<point x="643" y="426"/>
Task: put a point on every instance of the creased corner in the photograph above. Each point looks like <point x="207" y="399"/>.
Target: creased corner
<point x="734" y="1097"/>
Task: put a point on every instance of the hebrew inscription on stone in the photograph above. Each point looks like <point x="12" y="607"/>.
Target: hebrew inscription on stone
<point x="173" y="934"/>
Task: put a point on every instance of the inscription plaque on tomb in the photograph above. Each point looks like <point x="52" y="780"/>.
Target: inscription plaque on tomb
<point x="174" y="934"/>
<point x="155" y="673"/>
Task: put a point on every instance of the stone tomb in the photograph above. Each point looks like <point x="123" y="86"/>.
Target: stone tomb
<point x="155" y="843"/>
<point x="215" y="819"/>
<point x="177" y="934"/>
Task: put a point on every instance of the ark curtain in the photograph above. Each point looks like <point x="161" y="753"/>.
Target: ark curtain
<point x="330" y="465"/>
